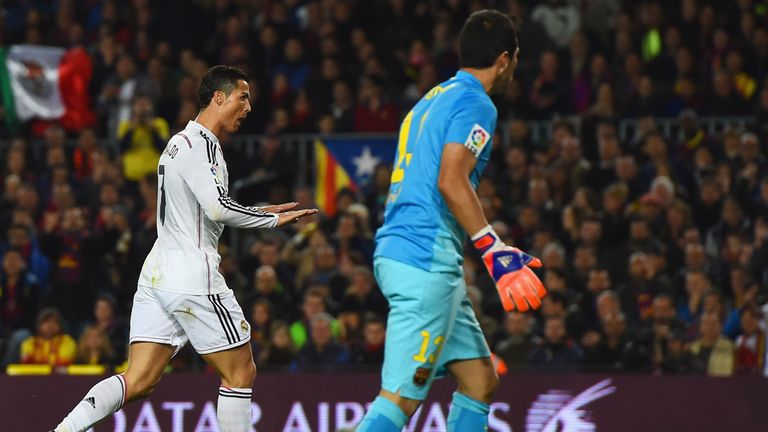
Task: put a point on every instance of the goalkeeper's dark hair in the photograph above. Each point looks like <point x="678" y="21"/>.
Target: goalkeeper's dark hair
<point x="486" y="34"/>
<point x="219" y="78"/>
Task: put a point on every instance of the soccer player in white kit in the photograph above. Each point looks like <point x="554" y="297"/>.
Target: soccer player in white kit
<point x="181" y="296"/>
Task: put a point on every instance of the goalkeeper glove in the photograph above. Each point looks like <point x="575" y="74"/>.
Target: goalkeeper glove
<point x="518" y="286"/>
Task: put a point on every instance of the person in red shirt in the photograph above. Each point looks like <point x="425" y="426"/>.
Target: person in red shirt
<point x="750" y="345"/>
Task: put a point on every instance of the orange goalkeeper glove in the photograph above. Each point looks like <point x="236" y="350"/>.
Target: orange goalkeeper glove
<point x="518" y="286"/>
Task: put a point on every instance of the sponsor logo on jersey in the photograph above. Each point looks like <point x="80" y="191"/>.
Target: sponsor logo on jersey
<point x="477" y="139"/>
<point x="91" y="400"/>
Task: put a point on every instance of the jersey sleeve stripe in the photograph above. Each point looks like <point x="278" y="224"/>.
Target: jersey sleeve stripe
<point x="229" y="317"/>
<point x="189" y="143"/>
<point x="221" y="319"/>
<point x="230" y="204"/>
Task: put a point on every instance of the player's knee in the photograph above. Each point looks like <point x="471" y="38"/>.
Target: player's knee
<point x="140" y="387"/>
<point x="243" y="377"/>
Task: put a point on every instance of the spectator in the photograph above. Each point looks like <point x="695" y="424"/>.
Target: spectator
<point x="616" y="351"/>
<point x="20" y="293"/>
<point x="94" y="348"/>
<point x="322" y="349"/>
<point x="556" y="351"/>
<point x="712" y="353"/>
<point x="50" y="345"/>
<point x="371" y="351"/>
<point x="750" y="345"/>
<point x="520" y="340"/>
<point x="280" y="351"/>
<point x="142" y="138"/>
<point x="314" y="303"/>
<point x="107" y="321"/>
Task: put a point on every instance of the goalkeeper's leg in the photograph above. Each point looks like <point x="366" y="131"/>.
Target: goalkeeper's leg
<point x="471" y="402"/>
<point x="146" y="362"/>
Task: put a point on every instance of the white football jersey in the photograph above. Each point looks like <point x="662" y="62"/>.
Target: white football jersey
<point x="193" y="207"/>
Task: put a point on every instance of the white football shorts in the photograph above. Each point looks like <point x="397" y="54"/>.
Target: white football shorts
<point x="212" y="323"/>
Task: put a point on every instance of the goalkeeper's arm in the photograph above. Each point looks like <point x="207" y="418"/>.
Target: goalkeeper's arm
<point x="519" y="288"/>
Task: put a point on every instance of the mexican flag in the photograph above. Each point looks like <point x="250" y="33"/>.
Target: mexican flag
<point x="47" y="83"/>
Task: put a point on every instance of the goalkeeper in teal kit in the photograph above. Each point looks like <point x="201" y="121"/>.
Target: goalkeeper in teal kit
<point x="443" y="147"/>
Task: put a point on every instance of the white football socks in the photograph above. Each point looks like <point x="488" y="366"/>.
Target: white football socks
<point x="234" y="409"/>
<point x="102" y="400"/>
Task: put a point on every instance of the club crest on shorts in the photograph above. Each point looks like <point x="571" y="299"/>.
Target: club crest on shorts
<point x="421" y="376"/>
<point x="244" y="326"/>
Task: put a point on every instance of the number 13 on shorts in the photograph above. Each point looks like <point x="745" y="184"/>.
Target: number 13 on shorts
<point x="424" y="355"/>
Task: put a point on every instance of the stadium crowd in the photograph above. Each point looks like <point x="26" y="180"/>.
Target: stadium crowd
<point x="654" y="246"/>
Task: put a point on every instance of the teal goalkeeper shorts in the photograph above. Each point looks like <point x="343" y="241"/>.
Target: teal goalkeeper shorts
<point x="431" y="324"/>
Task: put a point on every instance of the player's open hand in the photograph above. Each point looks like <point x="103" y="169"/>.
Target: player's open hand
<point x="287" y="217"/>
<point x="279" y="208"/>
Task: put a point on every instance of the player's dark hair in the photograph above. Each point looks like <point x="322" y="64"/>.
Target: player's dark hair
<point x="219" y="78"/>
<point x="486" y="34"/>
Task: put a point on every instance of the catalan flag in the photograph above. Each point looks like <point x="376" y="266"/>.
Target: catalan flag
<point x="347" y="163"/>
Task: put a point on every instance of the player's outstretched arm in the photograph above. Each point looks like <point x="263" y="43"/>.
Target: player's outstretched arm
<point x="518" y="287"/>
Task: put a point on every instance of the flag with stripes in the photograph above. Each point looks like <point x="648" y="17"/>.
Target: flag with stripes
<point x="47" y="83"/>
<point x="347" y="163"/>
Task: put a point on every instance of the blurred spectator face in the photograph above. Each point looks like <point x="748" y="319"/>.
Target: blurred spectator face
<point x="712" y="303"/>
<point x="721" y="84"/>
<point x="55" y="137"/>
<point x="261" y="314"/>
<point x="62" y="196"/>
<point x="281" y="338"/>
<point x="142" y="109"/>
<point x="350" y="320"/>
<point x="553" y="256"/>
<point x="55" y="156"/>
<point x="710" y="193"/>
<point x="732" y="214"/>
<point x="570" y="150"/>
<point x="109" y="194"/>
<point x="655" y="147"/>
<point x="528" y="217"/>
<point x="552" y="308"/>
<point x="607" y="303"/>
<point x="590" y="232"/>
<point x="103" y="311"/>
<point x="362" y="281"/>
<point x="639" y="230"/>
<point x="609" y="148"/>
<point x="330" y="70"/>
<point x="579" y="45"/>
<point x="548" y="65"/>
<point x="266" y="279"/>
<point x="313" y="305"/>
<point x="626" y="169"/>
<point x="750" y="147"/>
<point x="73" y="220"/>
<point x="598" y="281"/>
<point x="645" y="87"/>
<point x="293" y="50"/>
<point x="325" y="258"/>
<point x="49" y="327"/>
<point x="696" y="283"/>
<point x="584" y="259"/>
<point x="11" y="187"/>
<point x="638" y="265"/>
<point x="18" y="237"/>
<point x="418" y="53"/>
<point x="663" y="309"/>
<point x="750" y="321"/>
<point x="517" y="324"/>
<point x="614" y="325"/>
<point x="347" y="227"/>
<point x="554" y="282"/>
<point x="126" y="68"/>
<point x="321" y="331"/>
<point x="342" y="96"/>
<point x="516" y="159"/>
<point x="538" y="192"/>
<point x="554" y="331"/>
<point x="269" y="254"/>
<point x="374" y="333"/>
<point x="13" y="263"/>
<point x="15" y="162"/>
<point x="710" y="328"/>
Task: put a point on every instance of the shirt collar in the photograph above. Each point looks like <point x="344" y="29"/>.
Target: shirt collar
<point x="469" y="78"/>
<point x="195" y="125"/>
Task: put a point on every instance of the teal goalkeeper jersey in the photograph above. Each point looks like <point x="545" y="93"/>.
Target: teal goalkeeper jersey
<point x="418" y="228"/>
